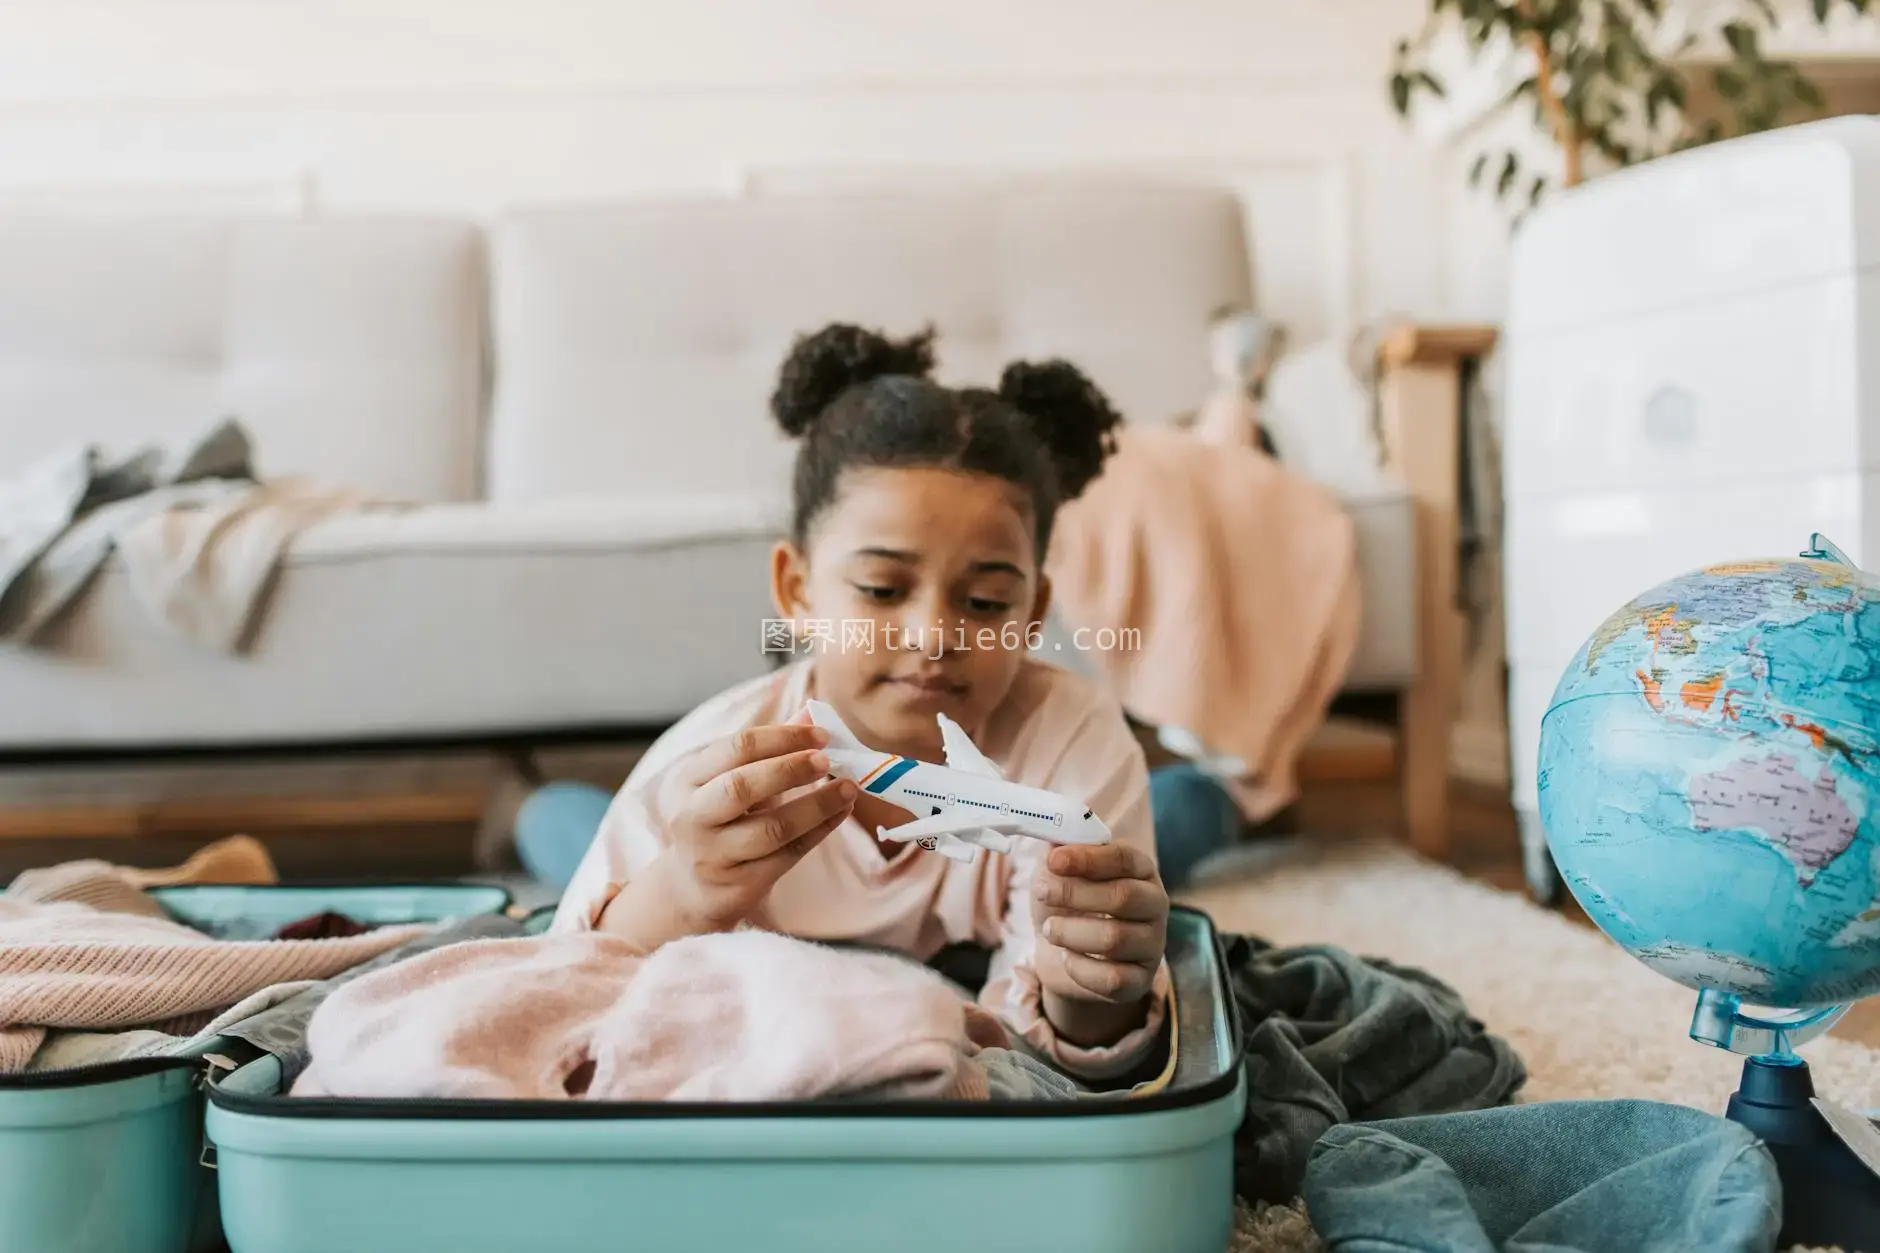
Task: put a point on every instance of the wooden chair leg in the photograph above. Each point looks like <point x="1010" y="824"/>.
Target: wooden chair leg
<point x="1420" y="407"/>
<point x="1427" y="719"/>
<point x="1423" y="731"/>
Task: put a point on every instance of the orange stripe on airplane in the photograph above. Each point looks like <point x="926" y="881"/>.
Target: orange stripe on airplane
<point x="877" y="770"/>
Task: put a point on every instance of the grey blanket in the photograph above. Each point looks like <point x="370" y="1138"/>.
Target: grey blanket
<point x="1335" y="1038"/>
<point x="60" y="518"/>
<point x="199" y="534"/>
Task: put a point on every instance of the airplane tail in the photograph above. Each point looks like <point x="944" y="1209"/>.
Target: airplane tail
<point x="828" y="719"/>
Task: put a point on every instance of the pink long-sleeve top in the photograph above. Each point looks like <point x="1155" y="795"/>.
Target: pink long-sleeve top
<point x="1054" y="730"/>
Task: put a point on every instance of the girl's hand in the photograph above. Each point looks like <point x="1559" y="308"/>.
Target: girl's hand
<point x="740" y="812"/>
<point x="1102" y="920"/>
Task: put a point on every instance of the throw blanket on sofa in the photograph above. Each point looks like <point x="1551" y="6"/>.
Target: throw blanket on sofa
<point x="198" y="532"/>
<point x="1219" y="593"/>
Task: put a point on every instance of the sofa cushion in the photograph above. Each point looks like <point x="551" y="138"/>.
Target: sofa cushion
<point x="350" y="348"/>
<point x="639" y="343"/>
<point x="1386" y="656"/>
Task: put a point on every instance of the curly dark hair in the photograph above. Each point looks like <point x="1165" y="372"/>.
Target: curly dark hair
<point x="856" y="397"/>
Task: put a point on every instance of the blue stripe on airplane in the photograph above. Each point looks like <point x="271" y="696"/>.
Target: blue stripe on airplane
<point x="887" y="777"/>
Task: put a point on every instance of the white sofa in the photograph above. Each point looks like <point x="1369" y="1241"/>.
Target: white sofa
<point x="580" y="395"/>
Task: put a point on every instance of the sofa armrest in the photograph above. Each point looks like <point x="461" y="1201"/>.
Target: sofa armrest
<point x="1423" y="373"/>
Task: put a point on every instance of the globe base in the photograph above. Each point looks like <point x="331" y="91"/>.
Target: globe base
<point x="1829" y="1196"/>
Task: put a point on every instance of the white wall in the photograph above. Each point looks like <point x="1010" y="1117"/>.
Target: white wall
<point x="470" y="105"/>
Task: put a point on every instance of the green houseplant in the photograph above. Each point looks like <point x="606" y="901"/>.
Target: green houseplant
<point x="1605" y="80"/>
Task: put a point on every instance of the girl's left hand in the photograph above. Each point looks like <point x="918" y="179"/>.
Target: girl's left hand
<point x="1102" y="920"/>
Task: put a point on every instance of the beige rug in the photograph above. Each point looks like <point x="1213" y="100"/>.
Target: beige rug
<point x="1589" y="1021"/>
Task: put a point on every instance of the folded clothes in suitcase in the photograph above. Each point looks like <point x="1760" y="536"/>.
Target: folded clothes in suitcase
<point x="105" y="1158"/>
<point x="1151" y="1171"/>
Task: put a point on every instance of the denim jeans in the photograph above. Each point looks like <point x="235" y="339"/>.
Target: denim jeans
<point x="1552" y="1177"/>
<point x="1194" y="817"/>
<point x="554" y="827"/>
<point x="1333" y="1037"/>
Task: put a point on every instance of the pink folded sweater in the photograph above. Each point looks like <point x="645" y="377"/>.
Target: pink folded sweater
<point x="745" y="1016"/>
<point x="82" y="948"/>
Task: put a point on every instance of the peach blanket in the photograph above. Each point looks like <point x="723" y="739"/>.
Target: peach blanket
<point x="1218" y="593"/>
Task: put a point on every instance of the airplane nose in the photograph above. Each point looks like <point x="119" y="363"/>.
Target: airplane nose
<point x="1091" y="830"/>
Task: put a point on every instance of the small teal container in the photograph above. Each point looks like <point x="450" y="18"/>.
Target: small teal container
<point x="1155" y="1173"/>
<point x="107" y="1159"/>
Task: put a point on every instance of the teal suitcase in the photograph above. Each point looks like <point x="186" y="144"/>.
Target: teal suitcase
<point x="107" y="1159"/>
<point x="1153" y="1174"/>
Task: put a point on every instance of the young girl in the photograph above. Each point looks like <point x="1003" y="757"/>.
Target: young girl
<point x="923" y="512"/>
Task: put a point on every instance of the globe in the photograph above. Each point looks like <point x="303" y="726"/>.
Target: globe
<point x="1710" y="780"/>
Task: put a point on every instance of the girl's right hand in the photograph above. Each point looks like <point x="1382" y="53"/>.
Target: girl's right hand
<point x="740" y="812"/>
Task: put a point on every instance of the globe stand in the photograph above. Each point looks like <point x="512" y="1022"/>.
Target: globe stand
<point x="1829" y="1196"/>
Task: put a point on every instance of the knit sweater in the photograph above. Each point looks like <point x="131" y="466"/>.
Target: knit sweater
<point x="82" y="948"/>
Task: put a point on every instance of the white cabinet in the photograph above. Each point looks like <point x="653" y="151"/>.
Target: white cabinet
<point x="1693" y="375"/>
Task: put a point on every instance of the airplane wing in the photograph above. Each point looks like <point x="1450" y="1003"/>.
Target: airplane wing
<point x="962" y="753"/>
<point x="955" y="822"/>
<point x="952" y="849"/>
<point x="954" y="825"/>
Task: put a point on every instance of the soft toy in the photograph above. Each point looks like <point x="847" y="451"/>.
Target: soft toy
<point x="1242" y="347"/>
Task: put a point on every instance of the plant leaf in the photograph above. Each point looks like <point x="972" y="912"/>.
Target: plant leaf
<point x="1666" y="92"/>
<point x="1617" y="79"/>
<point x="1482" y="15"/>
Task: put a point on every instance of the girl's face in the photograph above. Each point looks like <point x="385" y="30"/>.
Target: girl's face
<point x="919" y="594"/>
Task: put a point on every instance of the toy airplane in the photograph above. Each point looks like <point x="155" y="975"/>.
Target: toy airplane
<point x="967" y="803"/>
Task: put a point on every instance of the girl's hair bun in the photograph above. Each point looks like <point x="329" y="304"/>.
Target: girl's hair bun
<point x="1070" y="414"/>
<point x="823" y="365"/>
